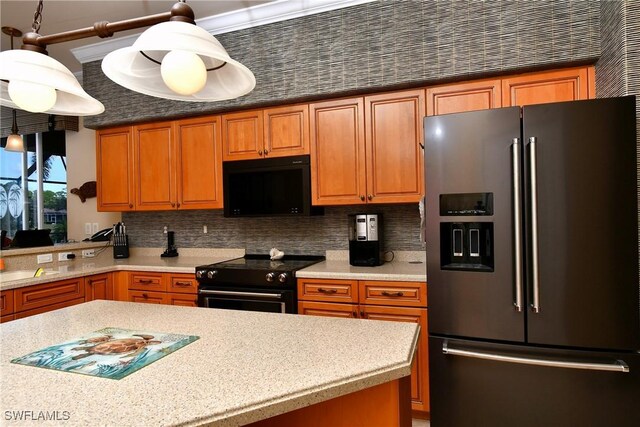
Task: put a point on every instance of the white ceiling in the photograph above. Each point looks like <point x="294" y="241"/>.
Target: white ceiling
<point x="65" y="15"/>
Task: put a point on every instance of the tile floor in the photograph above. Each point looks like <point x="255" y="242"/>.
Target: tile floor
<point x="420" y="423"/>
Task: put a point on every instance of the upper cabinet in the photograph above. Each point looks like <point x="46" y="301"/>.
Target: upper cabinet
<point x="394" y="135"/>
<point x="367" y="150"/>
<point x="114" y="169"/>
<point x="338" y="165"/>
<point x="462" y="97"/>
<point x="570" y="84"/>
<point x="168" y="165"/>
<point x="272" y="132"/>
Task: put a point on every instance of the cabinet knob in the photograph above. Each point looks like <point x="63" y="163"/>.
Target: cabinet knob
<point x="362" y="197"/>
<point x="266" y="152"/>
<point x="355" y="314"/>
<point x="362" y="314"/>
<point x="173" y="205"/>
<point x="259" y="152"/>
<point x="130" y="206"/>
<point x="370" y="197"/>
<point x="178" y="204"/>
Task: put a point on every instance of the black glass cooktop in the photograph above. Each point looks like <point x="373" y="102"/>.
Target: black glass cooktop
<point x="262" y="262"/>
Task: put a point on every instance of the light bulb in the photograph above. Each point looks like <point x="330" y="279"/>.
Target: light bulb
<point x="32" y="97"/>
<point x="183" y="72"/>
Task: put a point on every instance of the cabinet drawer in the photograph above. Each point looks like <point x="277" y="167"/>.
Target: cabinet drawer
<point x="408" y="294"/>
<point x="48" y="308"/>
<point x="148" y="297"/>
<point x="51" y="293"/>
<point x="328" y="309"/>
<point x="185" y="300"/>
<point x="147" y="281"/>
<point x="6" y="302"/>
<point x="183" y="284"/>
<point x="328" y="290"/>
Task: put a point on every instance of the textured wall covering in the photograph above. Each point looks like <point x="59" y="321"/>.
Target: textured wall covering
<point x="301" y="235"/>
<point x="379" y="45"/>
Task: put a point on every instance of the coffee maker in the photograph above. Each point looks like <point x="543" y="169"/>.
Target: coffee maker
<point x="365" y="240"/>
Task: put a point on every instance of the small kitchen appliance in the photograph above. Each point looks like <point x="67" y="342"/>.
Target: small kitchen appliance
<point x="365" y="240"/>
<point x="252" y="283"/>
<point x="171" y="250"/>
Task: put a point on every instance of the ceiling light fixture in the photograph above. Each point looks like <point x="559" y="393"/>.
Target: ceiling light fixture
<point x="14" y="141"/>
<point x="174" y="59"/>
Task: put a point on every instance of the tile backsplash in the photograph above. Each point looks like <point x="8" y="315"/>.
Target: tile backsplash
<point x="294" y="235"/>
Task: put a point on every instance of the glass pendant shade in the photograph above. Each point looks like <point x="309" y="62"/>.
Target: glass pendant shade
<point x="14" y="143"/>
<point x="138" y="67"/>
<point x="36" y="73"/>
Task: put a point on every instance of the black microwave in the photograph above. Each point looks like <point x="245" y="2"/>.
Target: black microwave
<point x="268" y="187"/>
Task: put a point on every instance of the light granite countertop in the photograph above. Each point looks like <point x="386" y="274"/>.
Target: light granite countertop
<point x="245" y="367"/>
<point x="88" y="266"/>
<point x="400" y="270"/>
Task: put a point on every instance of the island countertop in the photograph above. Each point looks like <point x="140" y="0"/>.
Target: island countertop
<point x="246" y="366"/>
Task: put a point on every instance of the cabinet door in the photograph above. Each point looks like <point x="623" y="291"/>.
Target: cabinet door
<point x="420" y="369"/>
<point x="185" y="300"/>
<point x="114" y="169"/>
<point x="38" y="296"/>
<point x="550" y="86"/>
<point x="99" y="286"/>
<point x="338" y="165"/>
<point x="148" y="297"/>
<point x="394" y="134"/>
<point x="328" y="309"/>
<point x="199" y="159"/>
<point x="242" y="136"/>
<point x="461" y="97"/>
<point x="154" y="166"/>
<point x="6" y="302"/>
<point x="286" y="131"/>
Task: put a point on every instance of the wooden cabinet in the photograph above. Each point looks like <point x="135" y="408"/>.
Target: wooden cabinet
<point x="570" y="84"/>
<point x="367" y="150"/>
<point x="114" y="169"/>
<point x="39" y="296"/>
<point x="273" y="132"/>
<point x="376" y="300"/>
<point x="199" y="163"/>
<point x="462" y="97"/>
<point x="338" y="163"/>
<point x="6" y="305"/>
<point x="163" y="288"/>
<point x="99" y="286"/>
<point x="170" y="165"/>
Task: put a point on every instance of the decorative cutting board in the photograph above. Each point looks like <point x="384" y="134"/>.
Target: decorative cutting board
<point x="109" y="353"/>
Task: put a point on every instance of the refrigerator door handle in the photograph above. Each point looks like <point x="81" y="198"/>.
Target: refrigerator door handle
<point x="535" y="306"/>
<point x="617" y="366"/>
<point x="517" y="221"/>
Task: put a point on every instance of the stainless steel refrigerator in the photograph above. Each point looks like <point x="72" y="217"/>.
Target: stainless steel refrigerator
<point x="532" y="265"/>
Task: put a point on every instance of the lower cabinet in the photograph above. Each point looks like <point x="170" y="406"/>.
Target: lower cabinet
<point x="99" y="286"/>
<point x="162" y="288"/>
<point x="376" y="300"/>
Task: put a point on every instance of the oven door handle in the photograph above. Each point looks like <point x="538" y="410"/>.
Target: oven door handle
<point x="241" y="294"/>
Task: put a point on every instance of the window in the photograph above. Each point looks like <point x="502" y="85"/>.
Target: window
<point x="24" y="203"/>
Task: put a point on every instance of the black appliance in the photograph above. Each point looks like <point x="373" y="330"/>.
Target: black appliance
<point x="532" y="260"/>
<point x="31" y="238"/>
<point x="252" y="283"/>
<point x="366" y="240"/>
<point x="268" y="187"/>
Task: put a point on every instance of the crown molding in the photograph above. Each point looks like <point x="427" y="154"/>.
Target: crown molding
<point x="267" y="13"/>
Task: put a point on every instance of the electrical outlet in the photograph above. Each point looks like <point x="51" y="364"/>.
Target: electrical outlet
<point x="62" y="256"/>
<point x="44" y="258"/>
<point x="204" y="229"/>
<point x="88" y="253"/>
<point x="87" y="228"/>
<point x="94" y="228"/>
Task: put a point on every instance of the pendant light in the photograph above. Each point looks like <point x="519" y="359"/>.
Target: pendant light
<point x="179" y="60"/>
<point x="34" y="82"/>
<point x="14" y="141"/>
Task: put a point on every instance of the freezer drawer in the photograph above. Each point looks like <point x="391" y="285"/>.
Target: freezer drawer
<point x="470" y="389"/>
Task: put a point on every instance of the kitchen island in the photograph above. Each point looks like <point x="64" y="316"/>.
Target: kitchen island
<point x="247" y="367"/>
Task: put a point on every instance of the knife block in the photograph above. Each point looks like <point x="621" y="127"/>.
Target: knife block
<point x="120" y="246"/>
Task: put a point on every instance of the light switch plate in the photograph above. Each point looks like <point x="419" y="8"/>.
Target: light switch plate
<point x="45" y="258"/>
<point x="88" y="253"/>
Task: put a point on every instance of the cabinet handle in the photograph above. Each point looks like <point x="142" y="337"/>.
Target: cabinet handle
<point x="362" y="197"/>
<point x="173" y="205"/>
<point x="259" y="152"/>
<point x="145" y="281"/>
<point x="130" y="206"/>
<point x="392" y="294"/>
<point x="90" y="281"/>
<point x="145" y="296"/>
<point x="362" y="314"/>
<point x="266" y="152"/>
<point x="178" y="204"/>
<point x="327" y="291"/>
<point x="370" y="197"/>
<point x="183" y="284"/>
<point x="355" y="314"/>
